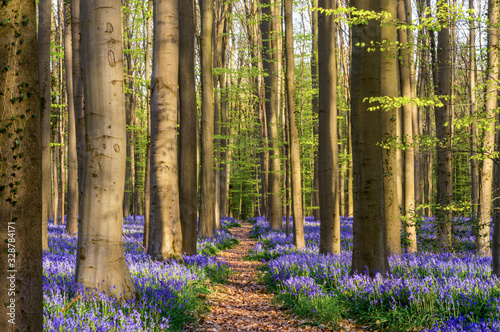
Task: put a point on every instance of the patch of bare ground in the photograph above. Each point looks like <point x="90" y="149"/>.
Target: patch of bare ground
<point x="243" y="304"/>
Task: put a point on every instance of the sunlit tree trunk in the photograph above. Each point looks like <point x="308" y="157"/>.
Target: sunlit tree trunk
<point x="369" y="233"/>
<point x="165" y="235"/>
<point x="187" y="136"/>
<point x="20" y="170"/>
<point x="329" y="241"/>
<point x="315" y="195"/>
<point x="389" y="87"/>
<point x="207" y="201"/>
<point x="298" y="213"/>
<point x="271" y="66"/>
<point x="491" y="104"/>
<point x="147" y="172"/>
<point x="474" y="167"/>
<point x="405" y="64"/>
<point x="72" y="203"/>
<point x="100" y="255"/>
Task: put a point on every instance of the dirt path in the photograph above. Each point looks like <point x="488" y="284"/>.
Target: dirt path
<point x="243" y="304"/>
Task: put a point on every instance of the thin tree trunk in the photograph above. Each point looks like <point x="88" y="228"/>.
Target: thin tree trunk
<point x="72" y="213"/>
<point x="147" y="175"/>
<point x="491" y="104"/>
<point x="188" y="169"/>
<point x="474" y="167"/>
<point x="298" y="214"/>
<point x="315" y="108"/>
<point x="44" y="31"/>
<point x="443" y="117"/>
<point x="207" y="123"/>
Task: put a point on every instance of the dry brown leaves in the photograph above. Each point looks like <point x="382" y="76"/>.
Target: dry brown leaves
<point x="243" y="304"/>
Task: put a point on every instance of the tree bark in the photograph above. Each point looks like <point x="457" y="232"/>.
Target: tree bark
<point x="491" y="104"/>
<point x="207" y="200"/>
<point x="72" y="203"/>
<point x="44" y="31"/>
<point x="315" y="195"/>
<point x="405" y="63"/>
<point x="147" y="172"/>
<point x="369" y="233"/>
<point x="188" y="180"/>
<point x="101" y="261"/>
<point x="271" y="81"/>
<point x="165" y="236"/>
<point x="20" y="169"/>
<point x="298" y="214"/>
<point x="444" y="179"/>
<point x="389" y="78"/>
<point x="329" y="241"/>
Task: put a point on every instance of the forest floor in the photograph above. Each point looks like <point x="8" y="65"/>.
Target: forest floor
<point x="243" y="303"/>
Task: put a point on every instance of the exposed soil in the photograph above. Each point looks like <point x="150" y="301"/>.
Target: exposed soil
<point x="243" y="304"/>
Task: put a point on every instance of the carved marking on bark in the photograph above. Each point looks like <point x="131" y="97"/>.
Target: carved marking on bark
<point x="111" y="58"/>
<point x="83" y="255"/>
<point x="116" y="147"/>
<point x="109" y="27"/>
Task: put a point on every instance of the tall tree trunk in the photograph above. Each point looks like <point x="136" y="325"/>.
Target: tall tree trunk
<point x="491" y="104"/>
<point x="444" y="180"/>
<point x="329" y="241"/>
<point x="147" y="172"/>
<point x="165" y="236"/>
<point x="474" y="167"/>
<point x="100" y="256"/>
<point x="315" y="195"/>
<point x="188" y="169"/>
<point x="207" y="201"/>
<point x="72" y="210"/>
<point x="405" y="64"/>
<point x="369" y="233"/>
<point x="389" y="87"/>
<point x="271" y="67"/>
<point x="78" y="96"/>
<point x="20" y="149"/>
<point x="298" y="214"/>
<point x="44" y="31"/>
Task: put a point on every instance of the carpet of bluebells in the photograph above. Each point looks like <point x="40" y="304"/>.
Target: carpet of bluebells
<point x="168" y="293"/>
<point x="427" y="291"/>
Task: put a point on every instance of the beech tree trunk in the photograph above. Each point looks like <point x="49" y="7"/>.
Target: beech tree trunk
<point x="491" y="104"/>
<point x="44" y="31"/>
<point x="389" y="87"/>
<point x="405" y="64"/>
<point x="271" y="81"/>
<point x="165" y="235"/>
<point x="315" y="195"/>
<point x="298" y="214"/>
<point x="207" y="199"/>
<point x="444" y="179"/>
<point x="329" y="241"/>
<point x="369" y="232"/>
<point x="188" y="169"/>
<point x="72" y="203"/>
<point x="100" y="256"/>
<point x="147" y="177"/>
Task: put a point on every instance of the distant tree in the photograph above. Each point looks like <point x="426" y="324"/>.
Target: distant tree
<point x="100" y="255"/>
<point x="21" y="167"/>
<point x="328" y="167"/>
<point x="369" y="233"/>
<point x="298" y="212"/>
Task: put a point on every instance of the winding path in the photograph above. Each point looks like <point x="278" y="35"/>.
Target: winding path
<point x="243" y="304"/>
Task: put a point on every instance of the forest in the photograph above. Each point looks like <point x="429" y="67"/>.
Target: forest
<point x="258" y="165"/>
